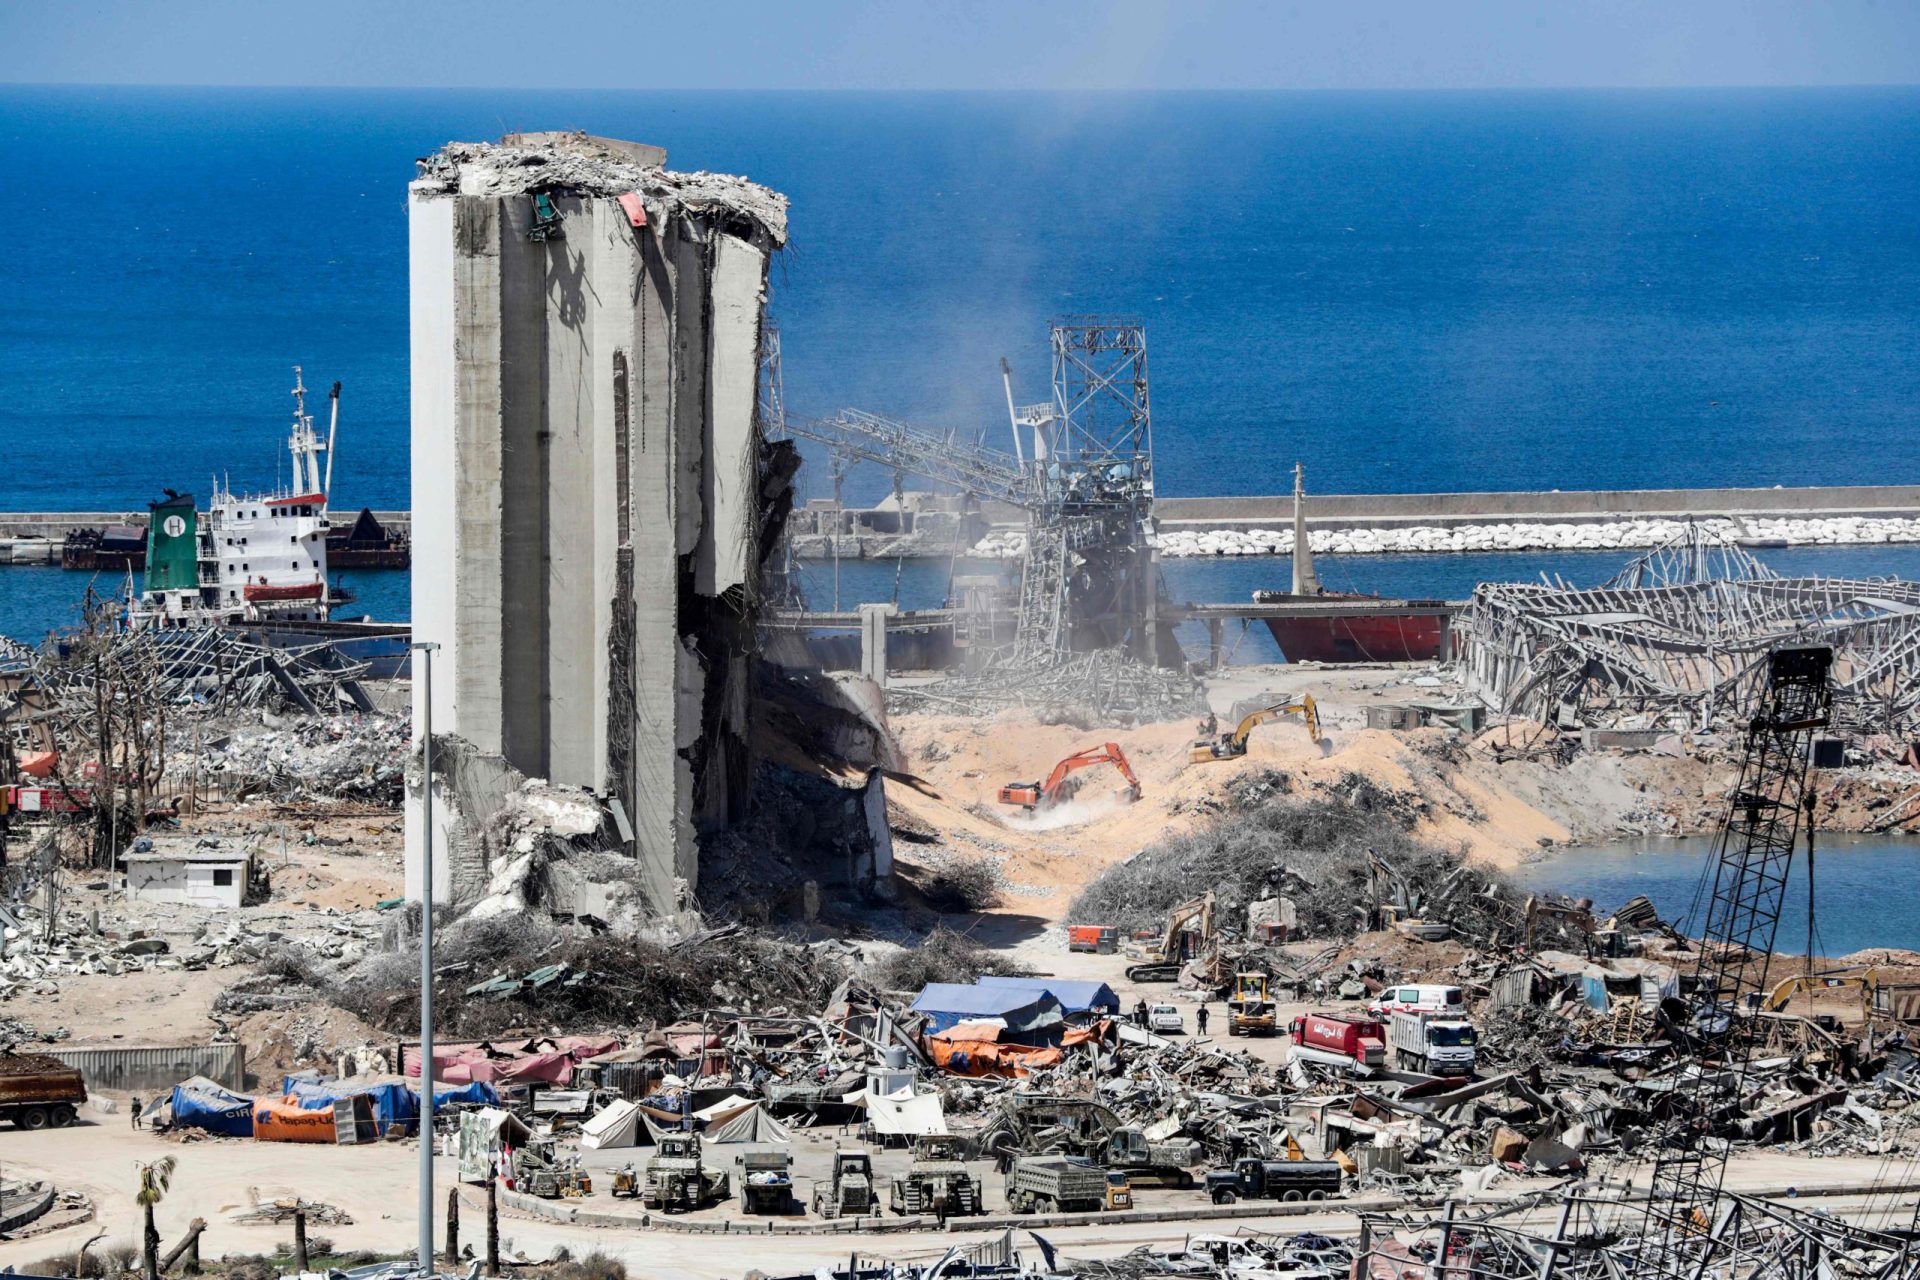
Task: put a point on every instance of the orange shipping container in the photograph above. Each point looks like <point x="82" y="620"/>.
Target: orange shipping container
<point x="283" y="1120"/>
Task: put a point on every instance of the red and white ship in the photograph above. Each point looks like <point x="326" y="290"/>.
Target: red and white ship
<point x="1377" y="635"/>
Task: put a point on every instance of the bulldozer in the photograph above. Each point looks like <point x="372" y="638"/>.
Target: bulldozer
<point x="1161" y="961"/>
<point x="1229" y="746"/>
<point x="937" y="1182"/>
<point x="849" y="1191"/>
<point x="1060" y="785"/>
<point x="1250" y="1010"/>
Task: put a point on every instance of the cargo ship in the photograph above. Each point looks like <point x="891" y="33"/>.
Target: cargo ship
<point x="1376" y="635"/>
<point x="250" y="559"/>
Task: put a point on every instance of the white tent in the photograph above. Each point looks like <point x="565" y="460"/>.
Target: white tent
<point x="753" y="1123"/>
<point x="906" y="1114"/>
<point x="615" y="1125"/>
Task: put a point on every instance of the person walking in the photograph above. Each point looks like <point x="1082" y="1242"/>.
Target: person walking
<point x="134" y="1109"/>
<point x="1200" y="1019"/>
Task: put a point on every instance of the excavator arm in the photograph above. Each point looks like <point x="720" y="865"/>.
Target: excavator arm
<point x="1033" y="795"/>
<point x="1230" y="745"/>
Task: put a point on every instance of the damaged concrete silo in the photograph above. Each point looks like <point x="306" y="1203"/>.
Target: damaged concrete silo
<point x="591" y="492"/>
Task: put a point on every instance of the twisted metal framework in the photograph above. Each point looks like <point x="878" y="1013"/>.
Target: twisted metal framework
<point x="1681" y="638"/>
<point x="1752" y="856"/>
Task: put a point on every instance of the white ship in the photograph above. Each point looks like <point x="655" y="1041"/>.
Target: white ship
<point x="248" y="559"/>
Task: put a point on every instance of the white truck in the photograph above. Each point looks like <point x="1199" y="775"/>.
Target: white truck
<point x="1439" y="1044"/>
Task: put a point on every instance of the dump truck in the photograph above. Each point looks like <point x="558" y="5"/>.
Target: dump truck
<point x="1250" y="1012"/>
<point x="849" y="1190"/>
<point x="1348" y="1041"/>
<point x="676" y="1180"/>
<point x="1254" y="1179"/>
<point x="937" y="1181"/>
<point x="766" y="1182"/>
<point x="1439" y="1044"/>
<point x="1056" y="1184"/>
<point x="38" y="1091"/>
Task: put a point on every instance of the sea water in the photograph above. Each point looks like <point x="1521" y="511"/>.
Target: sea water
<point x="1406" y="292"/>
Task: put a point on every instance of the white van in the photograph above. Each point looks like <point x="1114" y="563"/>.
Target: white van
<point x="1418" y="997"/>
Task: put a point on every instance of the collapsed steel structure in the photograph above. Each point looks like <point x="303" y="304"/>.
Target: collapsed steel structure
<point x="1680" y="638"/>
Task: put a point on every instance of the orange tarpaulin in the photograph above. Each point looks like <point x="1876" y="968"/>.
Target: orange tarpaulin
<point x="38" y="764"/>
<point x="974" y="1049"/>
<point x="284" y="1120"/>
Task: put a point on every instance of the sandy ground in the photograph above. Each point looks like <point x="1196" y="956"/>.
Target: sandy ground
<point x="1498" y="807"/>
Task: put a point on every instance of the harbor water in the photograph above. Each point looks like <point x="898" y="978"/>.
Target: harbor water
<point x="1858" y="902"/>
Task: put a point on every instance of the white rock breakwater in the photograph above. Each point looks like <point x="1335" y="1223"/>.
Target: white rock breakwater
<point x="1519" y="536"/>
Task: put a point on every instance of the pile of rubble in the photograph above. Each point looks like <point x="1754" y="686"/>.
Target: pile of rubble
<point x="1103" y="687"/>
<point x="358" y="757"/>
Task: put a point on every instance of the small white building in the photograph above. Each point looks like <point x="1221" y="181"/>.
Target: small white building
<point x="199" y="877"/>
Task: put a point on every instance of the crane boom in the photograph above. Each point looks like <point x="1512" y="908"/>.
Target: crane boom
<point x="1752" y="855"/>
<point x="945" y="459"/>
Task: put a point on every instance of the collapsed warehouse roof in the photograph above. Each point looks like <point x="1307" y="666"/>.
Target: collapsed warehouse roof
<point x="1680" y="638"/>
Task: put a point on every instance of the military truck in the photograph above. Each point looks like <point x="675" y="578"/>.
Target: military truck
<point x="676" y="1181"/>
<point x="766" y="1182"/>
<point x="1254" y="1179"/>
<point x="540" y="1170"/>
<point x="850" y="1189"/>
<point x="937" y="1181"/>
<point x="1056" y="1184"/>
<point x="38" y="1091"/>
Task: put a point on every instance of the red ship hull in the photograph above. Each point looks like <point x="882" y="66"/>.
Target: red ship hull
<point x="1371" y="638"/>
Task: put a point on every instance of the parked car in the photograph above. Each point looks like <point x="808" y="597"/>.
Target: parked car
<point x="1165" y="1019"/>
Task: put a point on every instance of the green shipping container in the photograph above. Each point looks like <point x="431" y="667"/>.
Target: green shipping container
<point x="173" y="558"/>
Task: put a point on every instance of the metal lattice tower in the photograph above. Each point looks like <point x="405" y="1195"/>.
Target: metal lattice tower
<point x="1752" y="856"/>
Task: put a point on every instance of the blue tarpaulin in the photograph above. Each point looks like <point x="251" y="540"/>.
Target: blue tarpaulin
<point x="205" y="1104"/>
<point x="947" y="1004"/>
<point x="392" y="1100"/>
<point x="1074" y="997"/>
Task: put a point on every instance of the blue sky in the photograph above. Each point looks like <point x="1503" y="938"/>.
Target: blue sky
<point x="1038" y="44"/>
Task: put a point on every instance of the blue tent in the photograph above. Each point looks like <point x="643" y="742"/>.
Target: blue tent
<point x="207" y="1104"/>
<point x="394" y="1102"/>
<point x="1074" y="997"/>
<point x="949" y="1003"/>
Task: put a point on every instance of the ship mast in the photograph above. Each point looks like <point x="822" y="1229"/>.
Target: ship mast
<point x="1305" y="581"/>
<point x="304" y="444"/>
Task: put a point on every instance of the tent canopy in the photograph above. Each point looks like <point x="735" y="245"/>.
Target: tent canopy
<point x="615" y="1125"/>
<point x="207" y="1104"/>
<point x="947" y="1003"/>
<point x="906" y="1114"/>
<point x="1074" y="996"/>
<point x="753" y="1123"/>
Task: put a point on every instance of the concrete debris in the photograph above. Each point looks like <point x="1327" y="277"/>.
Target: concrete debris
<point x="576" y="164"/>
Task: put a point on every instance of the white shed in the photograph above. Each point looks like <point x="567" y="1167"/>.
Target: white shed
<point x="201" y="877"/>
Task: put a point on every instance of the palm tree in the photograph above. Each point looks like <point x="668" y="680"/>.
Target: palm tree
<point x="155" y="1177"/>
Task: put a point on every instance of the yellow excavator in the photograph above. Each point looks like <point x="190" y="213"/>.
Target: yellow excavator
<point x="1783" y="991"/>
<point x="1161" y="962"/>
<point x="1228" y="746"/>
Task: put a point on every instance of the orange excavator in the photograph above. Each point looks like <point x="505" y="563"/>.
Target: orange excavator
<point x="1056" y="789"/>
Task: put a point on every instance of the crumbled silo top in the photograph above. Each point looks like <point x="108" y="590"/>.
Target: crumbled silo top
<point x="579" y="165"/>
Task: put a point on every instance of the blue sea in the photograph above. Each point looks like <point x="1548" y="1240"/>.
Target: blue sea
<point x="1404" y="291"/>
<point x="1851" y="908"/>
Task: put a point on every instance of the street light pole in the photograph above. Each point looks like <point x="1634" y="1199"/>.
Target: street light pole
<point x="426" y="649"/>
